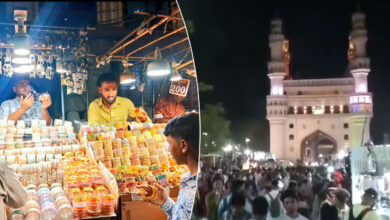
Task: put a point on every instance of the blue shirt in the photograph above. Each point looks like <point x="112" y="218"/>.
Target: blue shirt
<point x="182" y="209"/>
<point x="8" y="107"/>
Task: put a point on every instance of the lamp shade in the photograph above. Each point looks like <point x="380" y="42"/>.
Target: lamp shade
<point x="60" y="68"/>
<point x="158" y="68"/>
<point x="127" y="77"/>
<point x="21" y="45"/>
<point x="175" y="76"/>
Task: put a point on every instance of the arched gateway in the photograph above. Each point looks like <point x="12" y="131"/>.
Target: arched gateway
<point x="317" y="145"/>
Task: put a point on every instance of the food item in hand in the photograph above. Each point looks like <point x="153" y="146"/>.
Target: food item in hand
<point x="148" y="192"/>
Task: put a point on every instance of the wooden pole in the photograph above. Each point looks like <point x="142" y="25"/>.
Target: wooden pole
<point x="162" y="21"/>
<point x="168" y="46"/>
<point x="158" y="15"/>
<point x="155" y="41"/>
<point x="111" y="51"/>
<point x="185" y="64"/>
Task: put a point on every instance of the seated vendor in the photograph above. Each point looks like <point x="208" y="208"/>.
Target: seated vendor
<point x="168" y="108"/>
<point x="110" y="108"/>
<point x="24" y="106"/>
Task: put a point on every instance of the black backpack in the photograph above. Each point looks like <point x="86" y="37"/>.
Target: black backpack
<point x="274" y="206"/>
<point x="360" y="216"/>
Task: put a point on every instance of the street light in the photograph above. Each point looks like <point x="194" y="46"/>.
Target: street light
<point x="340" y="155"/>
<point x="228" y="148"/>
<point x="247" y="140"/>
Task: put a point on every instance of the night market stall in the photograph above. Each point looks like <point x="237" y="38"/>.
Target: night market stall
<point x="70" y="168"/>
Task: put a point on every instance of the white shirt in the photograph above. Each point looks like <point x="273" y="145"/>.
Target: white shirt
<point x="286" y="217"/>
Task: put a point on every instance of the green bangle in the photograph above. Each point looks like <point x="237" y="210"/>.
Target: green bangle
<point x="17" y="211"/>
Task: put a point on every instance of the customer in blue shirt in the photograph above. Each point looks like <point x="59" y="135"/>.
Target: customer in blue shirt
<point x="183" y="137"/>
<point x="24" y="106"/>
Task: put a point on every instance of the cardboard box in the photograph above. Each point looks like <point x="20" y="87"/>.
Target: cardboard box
<point x="136" y="210"/>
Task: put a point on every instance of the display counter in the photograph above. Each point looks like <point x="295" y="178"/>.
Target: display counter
<point x="62" y="182"/>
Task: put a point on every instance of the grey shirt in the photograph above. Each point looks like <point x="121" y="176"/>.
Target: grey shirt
<point x="12" y="192"/>
<point x="8" y="107"/>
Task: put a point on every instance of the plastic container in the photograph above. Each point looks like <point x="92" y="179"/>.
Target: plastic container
<point x="79" y="207"/>
<point x="43" y="190"/>
<point x="65" y="212"/>
<point x="88" y="191"/>
<point x="101" y="190"/>
<point x="32" y="204"/>
<point x="57" y="192"/>
<point x="48" y="211"/>
<point x="45" y="199"/>
<point x="94" y="206"/>
<point x="32" y="192"/>
<point x="85" y="180"/>
<point x="33" y="214"/>
<point x="61" y="200"/>
<point x="108" y="204"/>
<point x="73" y="193"/>
<point x="33" y="198"/>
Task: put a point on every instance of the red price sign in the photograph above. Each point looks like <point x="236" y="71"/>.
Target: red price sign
<point x="180" y="87"/>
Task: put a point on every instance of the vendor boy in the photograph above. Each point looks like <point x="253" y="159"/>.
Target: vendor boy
<point x="183" y="137"/>
<point x="24" y="106"/>
<point x="110" y="108"/>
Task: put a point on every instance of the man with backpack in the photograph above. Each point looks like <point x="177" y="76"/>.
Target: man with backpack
<point x="364" y="211"/>
<point x="272" y="196"/>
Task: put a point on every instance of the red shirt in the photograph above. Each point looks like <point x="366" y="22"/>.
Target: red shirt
<point x="169" y="108"/>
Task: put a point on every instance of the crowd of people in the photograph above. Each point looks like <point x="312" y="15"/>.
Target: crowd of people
<point x="278" y="193"/>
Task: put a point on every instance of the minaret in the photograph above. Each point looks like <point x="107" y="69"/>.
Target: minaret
<point x="361" y="100"/>
<point x="277" y="102"/>
<point x="276" y="66"/>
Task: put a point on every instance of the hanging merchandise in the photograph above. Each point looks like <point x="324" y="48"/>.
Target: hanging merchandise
<point x="37" y="52"/>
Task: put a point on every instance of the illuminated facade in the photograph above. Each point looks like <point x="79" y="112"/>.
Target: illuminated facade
<point x="313" y="118"/>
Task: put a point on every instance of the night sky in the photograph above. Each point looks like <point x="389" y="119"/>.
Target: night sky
<point x="230" y="47"/>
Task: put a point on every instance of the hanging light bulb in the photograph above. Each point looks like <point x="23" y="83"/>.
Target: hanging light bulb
<point x="60" y="68"/>
<point x="175" y="75"/>
<point x="127" y="77"/>
<point x="21" y="39"/>
<point x="159" y="67"/>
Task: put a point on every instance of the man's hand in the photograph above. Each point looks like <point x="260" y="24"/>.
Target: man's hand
<point x="161" y="197"/>
<point x="46" y="101"/>
<point x="26" y="103"/>
<point x="142" y="118"/>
